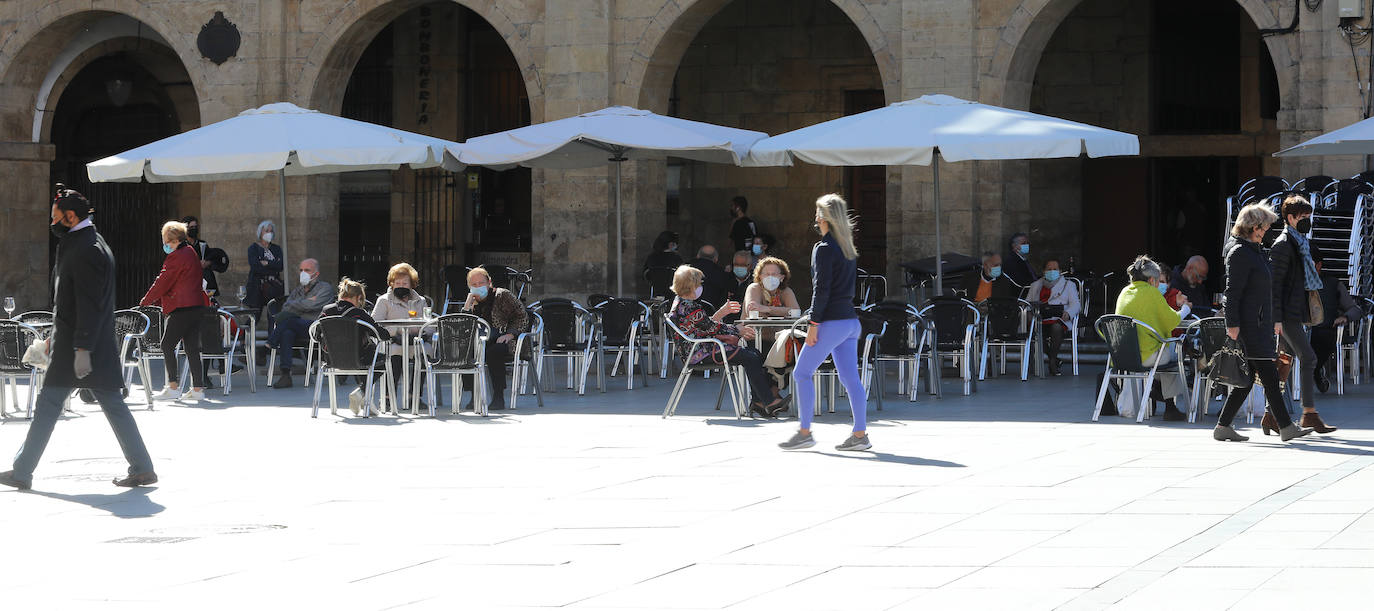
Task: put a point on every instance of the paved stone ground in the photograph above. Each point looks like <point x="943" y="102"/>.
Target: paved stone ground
<point x="1010" y="499"/>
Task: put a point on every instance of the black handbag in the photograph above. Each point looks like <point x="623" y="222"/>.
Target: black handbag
<point x="1228" y="366"/>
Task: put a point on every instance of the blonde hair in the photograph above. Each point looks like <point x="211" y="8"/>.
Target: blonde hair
<point x="1252" y="217"/>
<point x="836" y="214"/>
<point x="352" y="289"/>
<point x="477" y="271"/>
<point x="174" y="229"/>
<point x="685" y="279"/>
<point x="782" y="265"/>
<point x="403" y="268"/>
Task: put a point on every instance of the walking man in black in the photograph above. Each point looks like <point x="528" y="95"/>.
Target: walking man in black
<point x="83" y="345"/>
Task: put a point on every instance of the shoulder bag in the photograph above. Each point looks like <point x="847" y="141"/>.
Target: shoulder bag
<point x="1228" y="365"/>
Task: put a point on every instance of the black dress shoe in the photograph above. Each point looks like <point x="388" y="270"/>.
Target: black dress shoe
<point x="1173" y="415"/>
<point x="283" y="382"/>
<point x="7" y="478"/>
<point x="138" y="479"/>
<point x="1322" y="383"/>
<point x="498" y="402"/>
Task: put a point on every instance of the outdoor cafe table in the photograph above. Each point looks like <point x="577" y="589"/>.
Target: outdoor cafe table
<point x="405" y="326"/>
<point x="759" y="324"/>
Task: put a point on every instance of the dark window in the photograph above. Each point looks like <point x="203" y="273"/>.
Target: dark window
<point x="1196" y="66"/>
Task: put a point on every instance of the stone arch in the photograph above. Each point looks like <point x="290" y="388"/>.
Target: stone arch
<point x="157" y="60"/>
<point x="1033" y="22"/>
<point x="653" y="62"/>
<point x="331" y="60"/>
<point x="48" y="45"/>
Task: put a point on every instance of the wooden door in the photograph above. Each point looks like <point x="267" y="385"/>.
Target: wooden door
<point x="866" y="188"/>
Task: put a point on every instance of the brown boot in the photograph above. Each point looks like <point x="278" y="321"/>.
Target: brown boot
<point x="1313" y="420"/>
<point x="1268" y="423"/>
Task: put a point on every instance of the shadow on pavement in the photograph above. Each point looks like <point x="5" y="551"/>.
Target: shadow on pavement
<point x="898" y="459"/>
<point x="132" y="503"/>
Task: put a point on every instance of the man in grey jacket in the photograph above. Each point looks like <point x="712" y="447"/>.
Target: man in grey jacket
<point x="301" y="308"/>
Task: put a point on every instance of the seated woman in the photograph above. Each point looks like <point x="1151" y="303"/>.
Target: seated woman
<point x="401" y="301"/>
<point x="352" y="296"/>
<point x="771" y="295"/>
<point x="689" y="316"/>
<point x="1054" y="290"/>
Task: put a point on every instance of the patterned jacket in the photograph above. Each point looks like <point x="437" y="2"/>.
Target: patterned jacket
<point x="505" y="313"/>
<point x="689" y="316"/>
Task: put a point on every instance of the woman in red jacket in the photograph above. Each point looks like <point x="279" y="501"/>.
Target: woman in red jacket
<point x="178" y="291"/>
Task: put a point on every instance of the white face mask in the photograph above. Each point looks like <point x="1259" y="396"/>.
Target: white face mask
<point x="305" y="278"/>
<point x="772" y="282"/>
<point x="697" y="293"/>
<point x="267" y="237"/>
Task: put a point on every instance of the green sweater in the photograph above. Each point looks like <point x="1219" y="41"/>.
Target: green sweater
<point x="1142" y="301"/>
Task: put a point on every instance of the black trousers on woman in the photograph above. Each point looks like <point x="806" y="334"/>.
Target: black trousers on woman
<point x="760" y="383"/>
<point x="183" y="327"/>
<point x="1268" y="375"/>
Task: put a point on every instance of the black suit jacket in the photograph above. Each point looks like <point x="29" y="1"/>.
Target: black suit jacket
<point x="83" y="312"/>
<point x="714" y="282"/>
<point x="1018" y="270"/>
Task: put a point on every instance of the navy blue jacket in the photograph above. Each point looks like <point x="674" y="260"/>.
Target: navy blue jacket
<point x="832" y="281"/>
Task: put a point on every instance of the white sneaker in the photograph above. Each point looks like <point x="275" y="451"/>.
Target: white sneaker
<point x="193" y="396"/>
<point x="168" y="394"/>
<point x="355" y="401"/>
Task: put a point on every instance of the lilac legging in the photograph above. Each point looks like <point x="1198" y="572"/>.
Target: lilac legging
<point x="840" y="339"/>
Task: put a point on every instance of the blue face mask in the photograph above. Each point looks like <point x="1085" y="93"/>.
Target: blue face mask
<point x="479" y="291"/>
<point x="1163" y="288"/>
<point x="996" y="271"/>
<point x="167" y="248"/>
<point x="1051" y="275"/>
<point x="741" y="272"/>
<point x="1025" y="249"/>
<point x="758" y="249"/>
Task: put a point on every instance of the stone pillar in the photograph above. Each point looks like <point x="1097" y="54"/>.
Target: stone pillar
<point x="23" y="222"/>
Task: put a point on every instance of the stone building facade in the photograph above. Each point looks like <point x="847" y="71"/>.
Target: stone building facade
<point x="773" y="65"/>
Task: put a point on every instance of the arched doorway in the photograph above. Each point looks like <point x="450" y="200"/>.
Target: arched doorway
<point x="1202" y="93"/>
<point x="443" y="70"/>
<point x="122" y="94"/>
<point x="773" y="66"/>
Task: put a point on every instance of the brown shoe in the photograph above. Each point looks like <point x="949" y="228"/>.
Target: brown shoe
<point x="1313" y="420"/>
<point x="139" y="479"/>
<point x="1268" y="423"/>
<point x="283" y="382"/>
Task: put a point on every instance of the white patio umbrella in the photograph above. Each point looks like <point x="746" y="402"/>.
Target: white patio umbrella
<point x="282" y="138"/>
<point x="615" y="134"/>
<point x="914" y="131"/>
<point x="1353" y="139"/>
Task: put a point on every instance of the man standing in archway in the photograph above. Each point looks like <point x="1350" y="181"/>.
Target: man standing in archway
<point x="83" y="345"/>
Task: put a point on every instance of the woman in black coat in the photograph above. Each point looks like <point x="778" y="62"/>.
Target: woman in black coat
<point x="1250" y="319"/>
<point x="264" y="268"/>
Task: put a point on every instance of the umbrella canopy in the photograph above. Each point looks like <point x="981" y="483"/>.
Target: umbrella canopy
<point x="282" y="138"/>
<point x="614" y="134"/>
<point x="913" y="131"/>
<point x="1354" y="139"/>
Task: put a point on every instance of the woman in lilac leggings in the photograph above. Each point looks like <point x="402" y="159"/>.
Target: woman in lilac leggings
<point x="834" y="329"/>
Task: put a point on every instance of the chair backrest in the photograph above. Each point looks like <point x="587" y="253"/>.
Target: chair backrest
<point x="151" y="341"/>
<point x="594" y="300"/>
<point x="15" y="338"/>
<point x="500" y="275"/>
<point x="951" y="317"/>
<point x="535" y="340"/>
<point x="870" y="323"/>
<point x="682" y="346"/>
<point x="520" y="282"/>
<point x="1123" y="342"/>
<point x="565" y="323"/>
<point x="897" y="341"/>
<point x="1004" y="317"/>
<point x="869" y="288"/>
<point x="1259" y="188"/>
<point x="1341" y="195"/>
<point x="1211" y="335"/>
<point x="1313" y="184"/>
<point x="461" y="341"/>
<point x="660" y="281"/>
<point x="343" y="341"/>
<point x="618" y="316"/>
<point x="130" y="322"/>
<point x="35" y="317"/>
<point x="214" y="331"/>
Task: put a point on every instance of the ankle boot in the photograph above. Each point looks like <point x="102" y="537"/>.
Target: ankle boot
<point x="1292" y="431"/>
<point x="1313" y="420"/>
<point x="1226" y="433"/>
<point x="1268" y="423"/>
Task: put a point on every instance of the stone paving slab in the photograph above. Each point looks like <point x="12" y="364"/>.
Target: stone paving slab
<point x="1009" y="499"/>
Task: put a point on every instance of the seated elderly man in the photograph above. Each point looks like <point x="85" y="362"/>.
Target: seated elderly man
<point x="988" y="281"/>
<point x="1143" y="301"/>
<point x="301" y="308"/>
<point x="1339" y="309"/>
<point x="1191" y="280"/>
<point x="742" y="270"/>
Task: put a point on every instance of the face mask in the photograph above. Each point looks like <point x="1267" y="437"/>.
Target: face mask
<point x="193" y="232"/>
<point x="741" y="272"/>
<point x="1052" y="275"/>
<point x="167" y="248"/>
<point x="58" y="230"/>
<point x="1163" y="288"/>
<point x="305" y="278"/>
<point x="1305" y="226"/>
<point x="996" y="271"/>
<point x="772" y="282"/>
<point x="697" y="293"/>
<point x="267" y="237"/>
<point x="479" y="291"/>
<point x="401" y="293"/>
<point x="758" y="249"/>
<point x="1025" y="249"/>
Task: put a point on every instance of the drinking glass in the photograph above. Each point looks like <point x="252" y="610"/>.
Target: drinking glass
<point x="9" y="307"/>
<point x="242" y="293"/>
<point x="429" y="312"/>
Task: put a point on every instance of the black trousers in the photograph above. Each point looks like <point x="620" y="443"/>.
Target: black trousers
<point x="183" y="327"/>
<point x="497" y="357"/>
<point x="760" y="383"/>
<point x="1324" y="344"/>
<point x="1054" y="339"/>
<point x="1268" y="375"/>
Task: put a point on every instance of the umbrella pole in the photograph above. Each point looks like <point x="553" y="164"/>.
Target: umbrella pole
<point x="939" y="254"/>
<point x="619" y="229"/>
<point x="281" y="209"/>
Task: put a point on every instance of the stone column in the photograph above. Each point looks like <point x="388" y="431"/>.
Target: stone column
<point x="23" y="222"/>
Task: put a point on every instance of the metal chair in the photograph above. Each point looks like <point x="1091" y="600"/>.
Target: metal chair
<point x="731" y="375"/>
<point x="345" y="352"/>
<point x="15" y="339"/>
<point x="1209" y="335"/>
<point x="908" y="339"/>
<point x="525" y="359"/>
<point x="660" y="281"/>
<point x="150" y="344"/>
<point x="569" y="334"/>
<point x="130" y="327"/>
<point x="1348" y="341"/>
<point x="619" y="324"/>
<point x="303" y="343"/>
<point x="654" y="336"/>
<point x="956" y="324"/>
<point x="869" y="288"/>
<point x="220" y="339"/>
<point x="454" y="278"/>
<point x="1009" y="322"/>
<point x="1124" y="362"/>
<point x="459" y="349"/>
<point x="41" y="321"/>
<point x="1077" y="323"/>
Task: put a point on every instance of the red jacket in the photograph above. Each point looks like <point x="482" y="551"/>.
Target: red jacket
<point x="178" y="284"/>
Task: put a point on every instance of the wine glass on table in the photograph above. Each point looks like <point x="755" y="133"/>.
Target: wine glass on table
<point x="9" y="307"/>
<point x="242" y="294"/>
